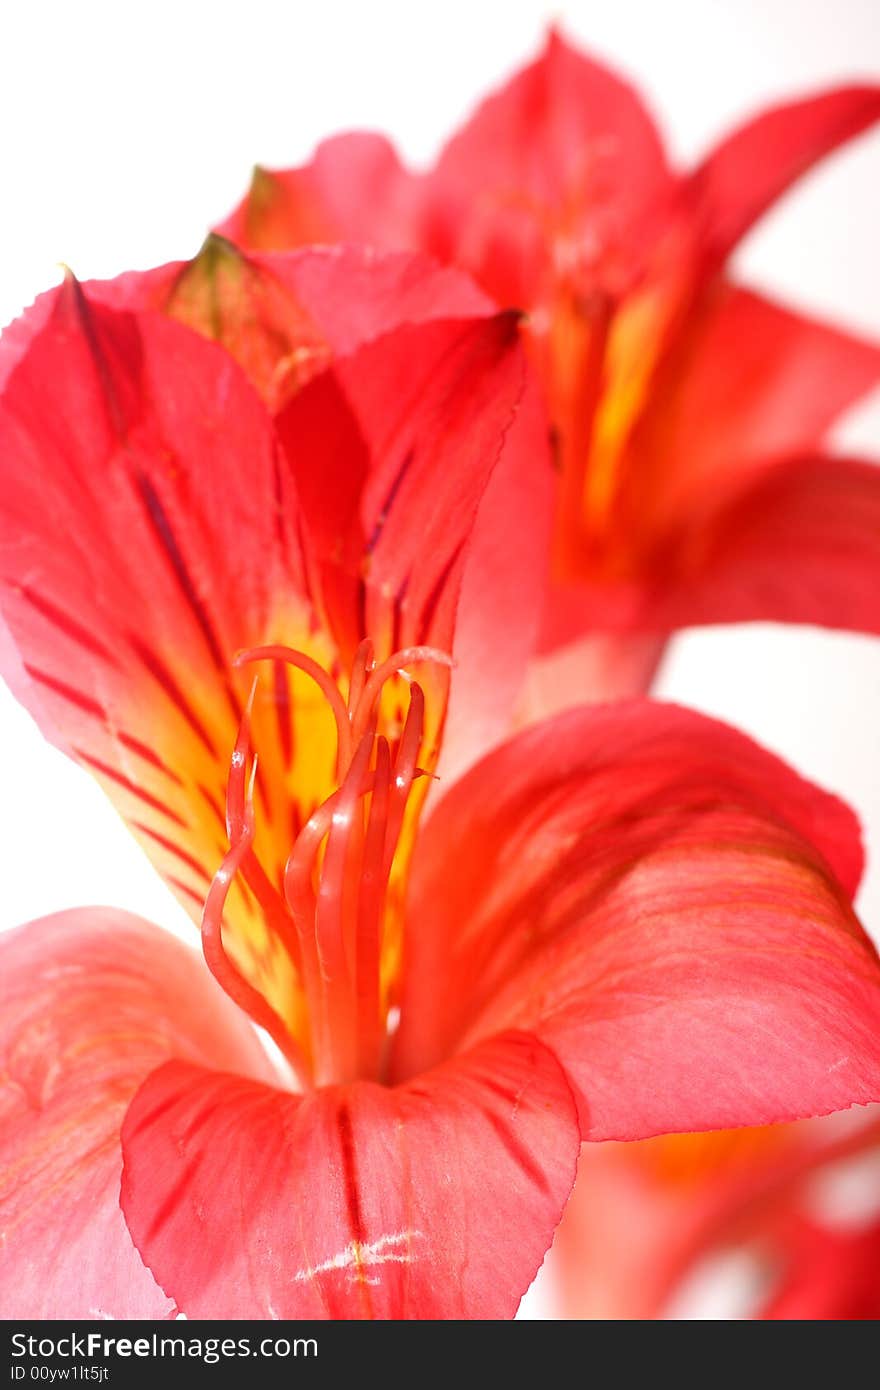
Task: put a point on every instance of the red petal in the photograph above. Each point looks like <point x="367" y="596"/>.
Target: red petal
<point x="564" y="133"/>
<point x="801" y="546"/>
<point x="93" y="1001"/>
<point x="500" y="604"/>
<point x="392" y="451"/>
<point x="129" y="522"/>
<point x="566" y="144"/>
<point x="354" y="189"/>
<point x="147" y="532"/>
<point x="281" y="316"/>
<point x="436" y="1199"/>
<point x="348" y="297"/>
<point x="601" y="666"/>
<point x="744" y="175"/>
<point x="356" y="294"/>
<point x="749" y="382"/>
<point x="654" y="895"/>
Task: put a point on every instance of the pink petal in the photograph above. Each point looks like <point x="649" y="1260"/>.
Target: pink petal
<point x="353" y="189"/>
<point x="436" y="1199"/>
<point x="93" y="1000"/>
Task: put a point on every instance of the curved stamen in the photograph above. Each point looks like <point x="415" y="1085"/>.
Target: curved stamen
<point x="362" y="663"/>
<point x="337" y="909"/>
<point x="408" y="656"/>
<point x="374" y="883"/>
<point x="405" y="768"/>
<point x="236" y="786"/>
<point x="225" y="972"/>
<point x="236" y="801"/>
<point x="325" y="683"/>
<point x="319" y="917"/>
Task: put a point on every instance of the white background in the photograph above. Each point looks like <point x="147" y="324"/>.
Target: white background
<point x="127" y="129"/>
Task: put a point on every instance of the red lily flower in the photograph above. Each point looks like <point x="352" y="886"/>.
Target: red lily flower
<point x="688" y="410"/>
<point x="647" y="1222"/>
<point x="622" y="922"/>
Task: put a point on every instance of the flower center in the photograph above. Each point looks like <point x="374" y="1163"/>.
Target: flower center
<point x="343" y="881"/>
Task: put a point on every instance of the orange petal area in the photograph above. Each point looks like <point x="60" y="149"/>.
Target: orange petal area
<point x="172" y="792"/>
<point x="684" y="1159"/>
<point x="293" y="729"/>
<point x="598" y="356"/>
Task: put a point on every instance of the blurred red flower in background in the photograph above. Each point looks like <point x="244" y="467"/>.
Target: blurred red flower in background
<point x="788" y="1214"/>
<point x="688" y="411"/>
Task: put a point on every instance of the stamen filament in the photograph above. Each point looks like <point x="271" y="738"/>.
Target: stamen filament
<point x="362" y="663"/>
<point x="225" y="972"/>
<point x="255" y="875"/>
<point x="334" y="927"/>
<point x="325" y="683"/>
<point x="318" y="920"/>
<point x="409" y="656"/>
<point x="374" y="883"/>
<point x="405" y="768"/>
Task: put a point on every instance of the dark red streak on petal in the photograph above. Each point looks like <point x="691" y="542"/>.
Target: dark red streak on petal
<point x="214" y="805"/>
<point x="184" y="1178"/>
<point x="83" y="311"/>
<point x="127" y="785"/>
<point x="135" y="746"/>
<point x="389" y="501"/>
<point x="67" y="692"/>
<point x="162" y="529"/>
<point x="352" y="1197"/>
<point x="69" y="626"/>
<point x="185" y="858"/>
<point x="282" y="511"/>
<point x="519" y="1153"/>
<point x="361" y="607"/>
<point x="282" y="712"/>
<point x="93" y="707"/>
<point x="152" y="1116"/>
<point x="160" y="673"/>
<point x="164" y="533"/>
<point x="178" y="883"/>
<point x="432" y="602"/>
